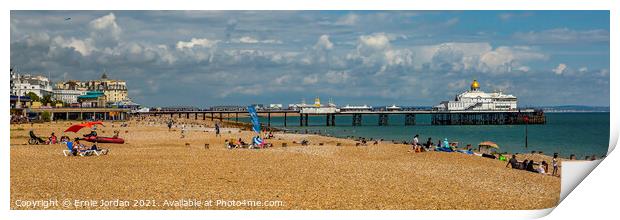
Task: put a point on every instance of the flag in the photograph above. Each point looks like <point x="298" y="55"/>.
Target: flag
<point x="254" y="119"/>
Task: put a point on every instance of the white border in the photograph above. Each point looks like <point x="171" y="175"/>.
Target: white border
<point x="569" y="207"/>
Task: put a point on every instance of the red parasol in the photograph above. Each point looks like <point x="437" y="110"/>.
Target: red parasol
<point x="76" y="128"/>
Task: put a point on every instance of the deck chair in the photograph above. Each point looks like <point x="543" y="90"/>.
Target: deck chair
<point x="69" y="147"/>
<point x="34" y="139"/>
<point x="99" y="151"/>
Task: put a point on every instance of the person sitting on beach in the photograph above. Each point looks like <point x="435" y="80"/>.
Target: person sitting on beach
<point x="429" y="143"/>
<point x="416" y="142"/>
<point x="77" y="147"/>
<point x="64" y="139"/>
<point x="270" y="136"/>
<point x="514" y="163"/>
<point x="593" y="157"/>
<point x="92" y="133"/>
<point x="229" y="144"/>
<point x="52" y="139"/>
<point x="530" y="167"/>
<point x="524" y="165"/>
<point x="543" y="168"/>
<point x="304" y="142"/>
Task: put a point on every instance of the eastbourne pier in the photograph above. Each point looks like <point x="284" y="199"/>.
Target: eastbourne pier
<point x="471" y="107"/>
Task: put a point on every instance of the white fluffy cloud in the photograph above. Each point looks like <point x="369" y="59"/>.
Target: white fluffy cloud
<point x="479" y="57"/>
<point x="196" y="42"/>
<point x="324" y="43"/>
<point x="252" y="40"/>
<point x="560" y="69"/>
<point x="84" y="47"/>
<point x="376" y="50"/>
<point x="107" y="24"/>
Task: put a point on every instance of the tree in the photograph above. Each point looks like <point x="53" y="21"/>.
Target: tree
<point x="46" y="99"/>
<point x="46" y="116"/>
<point x="33" y="96"/>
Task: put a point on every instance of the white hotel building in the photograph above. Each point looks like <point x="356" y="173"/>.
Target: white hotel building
<point x="22" y="84"/>
<point x="477" y="100"/>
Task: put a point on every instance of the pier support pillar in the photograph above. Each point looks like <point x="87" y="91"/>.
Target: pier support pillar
<point x="301" y="120"/>
<point x="284" y="119"/>
<point x="220" y="116"/>
<point x="306" y="120"/>
<point x="81" y="116"/>
<point x="357" y="120"/>
<point x="236" y="116"/>
<point x="268" y="119"/>
<point x="195" y="116"/>
<point x="328" y="117"/>
<point x="204" y="116"/>
<point x="409" y="119"/>
<point x="333" y="119"/>
<point x="212" y="116"/>
<point x="67" y="118"/>
<point x="383" y="119"/>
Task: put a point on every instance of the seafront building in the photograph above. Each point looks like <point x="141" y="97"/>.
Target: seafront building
<point x="22" y="84"/>
<point x="478" y="100"/>
<point x="114" y="90"/>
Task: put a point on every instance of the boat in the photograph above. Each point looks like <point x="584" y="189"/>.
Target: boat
<point x="111" y="140"/>
<point x="393" y="108"/>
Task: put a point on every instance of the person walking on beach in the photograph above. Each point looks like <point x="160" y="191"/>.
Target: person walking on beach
<point x="217" y="129"/>
<point x="169" y="125"/>
<point x="183" y="131"/>
<point x="554" y="163"/>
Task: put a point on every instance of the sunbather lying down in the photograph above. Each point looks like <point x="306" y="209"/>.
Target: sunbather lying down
<point x="78" y="149"/>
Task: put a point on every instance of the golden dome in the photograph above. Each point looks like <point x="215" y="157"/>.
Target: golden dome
<point x="475" y="85"/>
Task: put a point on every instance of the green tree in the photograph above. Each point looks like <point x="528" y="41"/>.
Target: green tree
<point x="46" y="99"/>
<point x="46" y="116"/>
<point x="33" y="96"/>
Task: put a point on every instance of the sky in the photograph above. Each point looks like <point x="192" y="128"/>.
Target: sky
<point x="407" y="58"/>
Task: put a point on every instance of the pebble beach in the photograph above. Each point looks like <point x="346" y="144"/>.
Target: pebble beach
<point x="158" y="166"/>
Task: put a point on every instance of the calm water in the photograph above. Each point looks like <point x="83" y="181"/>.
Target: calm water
<point x="565" y="133"/>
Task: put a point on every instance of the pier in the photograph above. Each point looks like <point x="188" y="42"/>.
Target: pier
<point x="468" y="117"/>
<point x="83" y="113"/>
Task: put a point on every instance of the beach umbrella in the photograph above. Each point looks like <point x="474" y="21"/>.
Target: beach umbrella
<point x="488" y="144"/>
<point x="76" y="128"/>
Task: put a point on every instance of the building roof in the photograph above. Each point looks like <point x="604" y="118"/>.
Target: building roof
<point x="91" y="95"/>
<point x="22" y="98"/>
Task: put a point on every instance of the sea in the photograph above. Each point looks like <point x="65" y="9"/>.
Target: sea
<point x="582" y="134"/>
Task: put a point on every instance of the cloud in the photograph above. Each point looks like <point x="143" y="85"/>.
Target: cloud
<point x="252" y="40"/>
<point x="560" y="69"/>
<point x="337" y="77"/>
<point x="509" y="16"/>
<point x="105" y="32"/>
<point x="84" y="47"/>
<point x="349" y="19"/>
<point x="311" y="79"/>
<point x="237" y="49"/>
<point x="323" y="43"/>
<point x="196" y="42"/>
<point x="563" y="35"/>
<point x="476" y="57"/>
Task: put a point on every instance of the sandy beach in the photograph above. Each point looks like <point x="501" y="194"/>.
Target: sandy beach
<point x="158" y="165"/>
